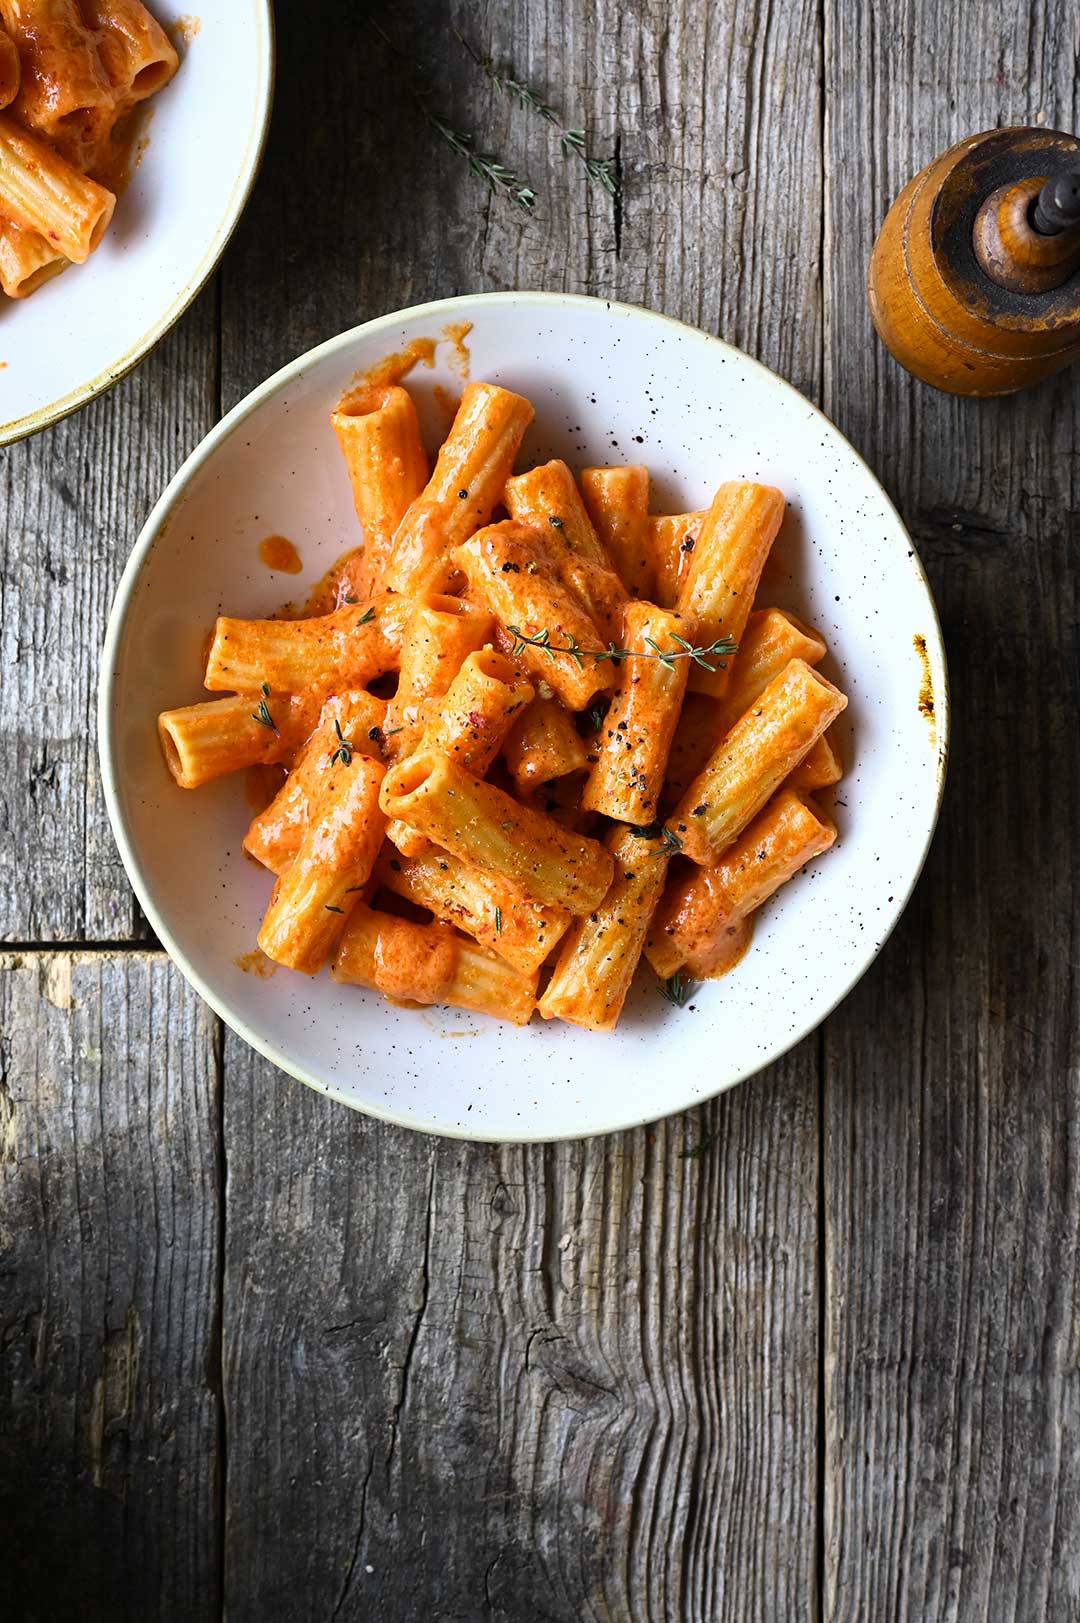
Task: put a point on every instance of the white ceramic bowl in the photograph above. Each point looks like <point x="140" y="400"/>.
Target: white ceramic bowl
<point x="78" y="334"/>
<point x="609" y="383"/>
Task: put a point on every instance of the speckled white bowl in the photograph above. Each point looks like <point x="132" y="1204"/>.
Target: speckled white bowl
<point x="78" y="334"/>
<point x="609" y="382"/>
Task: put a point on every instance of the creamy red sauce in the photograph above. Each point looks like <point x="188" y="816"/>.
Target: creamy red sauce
<point x="277" y="552"/>
<point x="391" y="369"/>
<point x="448" y="403"/>
<point x="261" y="784"/>
<point x="339" y="582"/>
<point x="120" y="156"/>
<point x="184" y="30"/>
<point x="256" y="963"/>
<point x="725" y="951"/>
<point x="455" y="334"/>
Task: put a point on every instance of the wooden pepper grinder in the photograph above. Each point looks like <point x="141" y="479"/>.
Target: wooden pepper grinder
<point x="974" y="282"/>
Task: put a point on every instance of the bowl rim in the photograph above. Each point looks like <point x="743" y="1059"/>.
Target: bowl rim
<point x="160" y="518"/>
<point x="32" y="422"/>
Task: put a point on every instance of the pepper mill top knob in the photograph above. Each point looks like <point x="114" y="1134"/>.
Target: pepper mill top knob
<point x="1057" y="207"/>
<point x="974" y="281"/>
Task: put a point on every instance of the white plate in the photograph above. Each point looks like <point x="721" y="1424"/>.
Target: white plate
<point x="609" y="382"/>
<point x="82" y="331"/>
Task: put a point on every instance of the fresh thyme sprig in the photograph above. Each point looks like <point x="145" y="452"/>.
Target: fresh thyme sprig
<point x="367" y="616"/>
<point x="670" y="841"/>
<point x="344" y="751"/>
<point x="485" y="164"/>
<point x="677" y="989"/>
<point x="572" y="142"/>
<point x="720" y="650"/>
<point x="262" y="714"/>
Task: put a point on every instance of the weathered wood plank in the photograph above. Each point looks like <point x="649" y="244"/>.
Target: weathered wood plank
<point x="514" y="1382"/>
<point x="952" y="1086"/>
<point x="72" y="501"/>
<point x="109" y="1283"/>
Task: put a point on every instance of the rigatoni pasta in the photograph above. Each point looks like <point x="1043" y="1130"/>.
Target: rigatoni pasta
<point x="510" y="571"/>
<point x="630" y="751"/>
<point x="40" y="192"/>
<point x="10" y="70"/>
<point x="753" y="759"/>
<point x="520" y="754"/>
<point x="617" y="500"/>
<point x="543" y="744"/>
<point x="332" y="865"/>
<point x="70" y="75"/>
<point x="136" y="53"/>
<point x="466" y="484"/>
<point x="379" y="434"/>
<point x="599" y="955"/>
<point x="485" y="905"/>
<point x="429" y="963"/>
<point x="725" y="567"/>
<point x="481" y="823"/>
<point x="439" y="634"/>
<point x="701" y="923"/>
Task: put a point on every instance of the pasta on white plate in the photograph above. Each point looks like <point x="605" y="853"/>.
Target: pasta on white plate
<point x="521" y="754"/>
<point x="72" y="74"/>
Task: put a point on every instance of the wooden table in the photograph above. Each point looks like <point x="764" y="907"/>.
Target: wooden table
<point x="258" y="1352"/>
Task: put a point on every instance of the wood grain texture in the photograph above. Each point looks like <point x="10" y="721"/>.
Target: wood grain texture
<point x="109" y="1278"/>
<point x="72" y="501"/>
<point x="579" y="1381"/>
<point x="561" y="1383"/>
<point x="952" y="1194"/>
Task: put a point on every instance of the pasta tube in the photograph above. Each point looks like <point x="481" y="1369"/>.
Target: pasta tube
<point x="752" y="761"/>
<point x="484" y="825"/>
<point x="440" y="634"/>
<point x="510" y="570"/>
<point x="547" y="499"/>
<point x="136" y="53"/>
<point x="726" y="564"/>
<point x="10" y="71"/>
<point x="428" y="963"/>
<point x="543" y="744"/>
<point x="630" y="753"/>
<point x="64" y="92"/>
<point x="203" y="741"/>
<point x="26" y="260"/>
<point x="41" y="192"/>
<point x="599" y="954"/>
<point x="348" y="648"/>
<point x="480" y="903"/>
<point x="700" y="922"/>
<point x="617" y="501"/>
<point x="771" y="638"/>
<point x="379" y="435"/>
<point x="349" y="723"/>
<point x="820" y="768"/>
<point x="478" y="709"/>
<point x="672" y="538"/>
<point x="696" y="736"/>
<point x="466" y="484"/>
<point x="470" y="724"/>
<point x="332" y="866"/>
